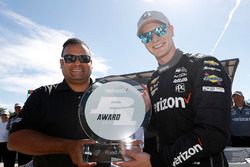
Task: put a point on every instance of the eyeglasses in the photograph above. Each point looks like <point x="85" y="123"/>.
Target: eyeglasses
<point x="72" y="58"/>
<point x="148" y="36"/>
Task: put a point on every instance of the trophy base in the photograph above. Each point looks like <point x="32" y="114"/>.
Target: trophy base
<point x="106" y="153"/>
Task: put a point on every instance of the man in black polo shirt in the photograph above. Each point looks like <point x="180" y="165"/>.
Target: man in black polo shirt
<point x="48" y="125"/>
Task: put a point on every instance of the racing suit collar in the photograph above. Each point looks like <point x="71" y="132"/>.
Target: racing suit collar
<point x="175" y="59"/>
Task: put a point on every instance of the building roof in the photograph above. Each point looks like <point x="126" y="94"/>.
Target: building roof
<point x="134" y="79"/>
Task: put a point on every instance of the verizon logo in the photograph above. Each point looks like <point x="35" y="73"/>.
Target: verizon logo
<point x="171" y="102"/>
<point x="183" y="156"/>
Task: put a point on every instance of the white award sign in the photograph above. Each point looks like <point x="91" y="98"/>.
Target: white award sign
<point x="110" y="113"/>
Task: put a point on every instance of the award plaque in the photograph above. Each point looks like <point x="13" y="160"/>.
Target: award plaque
<point x="110" y="113"/>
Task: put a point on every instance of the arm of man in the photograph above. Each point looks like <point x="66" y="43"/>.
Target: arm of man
<point x="36" y="143"/>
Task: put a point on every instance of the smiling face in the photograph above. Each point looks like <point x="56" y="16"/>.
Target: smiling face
<point x="76" y="74"/>
<point x="162" y="47"/>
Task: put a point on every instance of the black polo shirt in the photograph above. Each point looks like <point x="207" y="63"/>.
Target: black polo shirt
<point x="52" y="110"/>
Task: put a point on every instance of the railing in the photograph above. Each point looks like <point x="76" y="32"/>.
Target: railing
<point x="238" y="156"/>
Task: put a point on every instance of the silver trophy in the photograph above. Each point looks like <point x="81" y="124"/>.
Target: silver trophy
<point x="111" y="113"/>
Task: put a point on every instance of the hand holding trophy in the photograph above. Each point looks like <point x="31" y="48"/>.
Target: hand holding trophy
<point x="111" y="113"/>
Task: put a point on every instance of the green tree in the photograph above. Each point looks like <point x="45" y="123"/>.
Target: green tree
<point x="2" y="109"/>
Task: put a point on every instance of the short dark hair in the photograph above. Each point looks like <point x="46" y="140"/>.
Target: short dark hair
<point x="73" y="41"/>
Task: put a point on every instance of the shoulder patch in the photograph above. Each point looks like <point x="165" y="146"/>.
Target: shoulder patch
<point x="196" y="55"/>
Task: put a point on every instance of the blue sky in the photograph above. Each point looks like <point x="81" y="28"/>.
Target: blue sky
<point x="32" y="34"/>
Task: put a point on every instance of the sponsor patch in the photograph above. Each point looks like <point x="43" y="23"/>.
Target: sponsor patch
<point x="211" y="68"/>
<point x="184" y="156"/>
<point x="212" y="89"/>
<point x="244" y="119"/>
<point x="172" y="102"/>
<point x="153" y="91"/>
<point x="154" y="85"/>
<point x="180" y="88"/>
<point x="181" y="69"/>
<point x="180" y="75"/>
<point x="213" y="79"/>
<point x="154" y="81"/>
<point x="179" y="80"/>
<point x="211" y="62"/>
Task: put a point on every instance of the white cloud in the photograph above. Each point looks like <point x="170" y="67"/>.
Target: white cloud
<point x="30" y="57"/>
<point x="230" y="16"/>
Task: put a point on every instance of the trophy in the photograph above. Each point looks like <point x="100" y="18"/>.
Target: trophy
<point x="111" y="113"/>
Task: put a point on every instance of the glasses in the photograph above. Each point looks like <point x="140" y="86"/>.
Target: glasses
<point x="148" y="36"/>
<point x="72" y="58"/>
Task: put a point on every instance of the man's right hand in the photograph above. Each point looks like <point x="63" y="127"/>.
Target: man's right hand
<point x="138" y="159"/>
